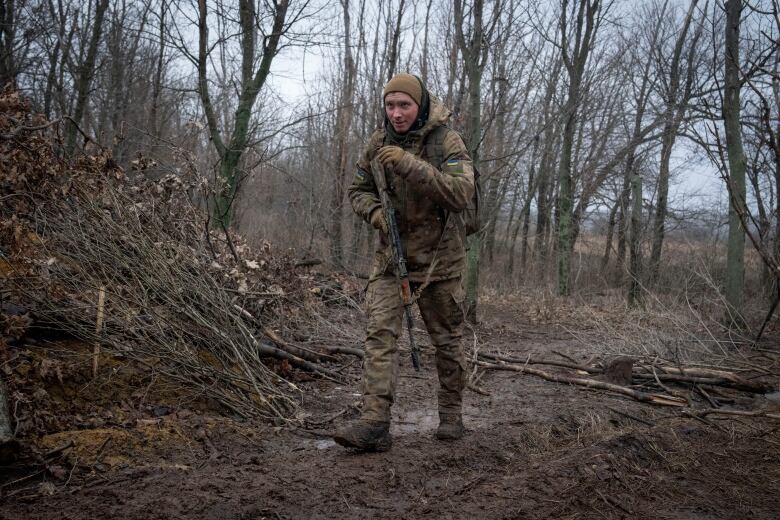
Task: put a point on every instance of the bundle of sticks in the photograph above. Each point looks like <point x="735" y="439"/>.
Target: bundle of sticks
<point x="647" y="381"/>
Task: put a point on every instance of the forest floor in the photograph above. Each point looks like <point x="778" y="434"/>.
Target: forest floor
<point x="533" y="449"/>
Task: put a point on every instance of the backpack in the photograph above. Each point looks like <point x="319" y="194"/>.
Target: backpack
<point x="469" y="218"/>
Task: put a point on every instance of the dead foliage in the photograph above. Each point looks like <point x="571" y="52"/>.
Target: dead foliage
<point x="133" y="267"/>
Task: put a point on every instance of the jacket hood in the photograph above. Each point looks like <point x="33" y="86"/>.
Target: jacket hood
<point x="439" y="115"/>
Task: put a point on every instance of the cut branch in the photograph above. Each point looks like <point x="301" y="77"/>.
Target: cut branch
<point x="657" y="399"/>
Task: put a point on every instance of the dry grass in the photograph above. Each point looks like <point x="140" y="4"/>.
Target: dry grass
<point x="578" y="431"/>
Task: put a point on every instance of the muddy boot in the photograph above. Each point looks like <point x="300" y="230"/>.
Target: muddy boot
<point x="365" y="435"/>
<point x="450" y="427"/>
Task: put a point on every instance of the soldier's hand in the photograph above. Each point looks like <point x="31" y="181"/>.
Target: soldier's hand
<point x="390" y="155"/>
<point x="377" y="219"/>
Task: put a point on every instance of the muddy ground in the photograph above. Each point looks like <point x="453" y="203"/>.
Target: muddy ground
<point x="533" y="449"/>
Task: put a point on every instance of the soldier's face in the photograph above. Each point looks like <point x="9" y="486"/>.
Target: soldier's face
<point x="401" y="110"/>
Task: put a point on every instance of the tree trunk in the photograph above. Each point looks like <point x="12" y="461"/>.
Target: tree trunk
<point x="424" y="58"/>
<point x="393" y="56"/>
<point x="623" y="219"/>
<point x="7" y="42"/>
<point x="54" y="60"/>
<point x="610" y="233"/>
<point x="565" y="196"/>
<point x="525" y="214"/>
<point x="544" y="189"/>
<point x="252" y="82"/>
<point x="473" y="63"/>
<point x="735" y="265"/>
<point x="65" y="58"/>
<point x="511" y="230"/>
<point x="775" y="289"/>
<point x="364" y="111"/>
<point x="628" y="172"/>
<point x="6" y="431"/>
<point x="635" y="252"/>
<point x="84" y="79"/>
<point x="675" y="109"/>
<point x="494" y="199"/>
<point x="344" y="121"/>
<point x="154" y="123"/>
<point x="575" y="60"/>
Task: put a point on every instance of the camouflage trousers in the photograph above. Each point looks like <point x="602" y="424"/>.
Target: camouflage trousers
<point x="441" y="307"/>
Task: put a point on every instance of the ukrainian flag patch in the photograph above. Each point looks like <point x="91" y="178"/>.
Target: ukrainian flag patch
<point x="453" y="166"/>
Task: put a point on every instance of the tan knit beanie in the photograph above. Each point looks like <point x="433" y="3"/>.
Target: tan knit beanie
<point x="405" y="83"/>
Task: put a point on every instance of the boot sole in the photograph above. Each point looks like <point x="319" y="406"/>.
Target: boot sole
<point x="449" y="436"/>
<point x="382" y="445"/>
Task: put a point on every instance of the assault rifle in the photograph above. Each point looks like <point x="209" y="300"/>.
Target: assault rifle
<point x="378" y="173"/>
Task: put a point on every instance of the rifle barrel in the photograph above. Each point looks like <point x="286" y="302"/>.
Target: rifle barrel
<point x="398" y="254"/>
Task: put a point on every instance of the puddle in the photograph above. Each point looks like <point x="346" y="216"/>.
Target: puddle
<point x="320" y="444"/>
<point x="414" y="421"/>
<point x="324" y="444"/>
<point x="772" y="402"/>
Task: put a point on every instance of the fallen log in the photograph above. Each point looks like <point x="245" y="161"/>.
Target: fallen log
<point x="740" y="413"/>
<point x="549" y="362"/>
<point x="340" y="349"/>
<point x="301" y="352"/>
<point x="664" y="373"/>
<point x="619" y="371"/>
<point x="709" y="376"/>
<point x="748" y="386"/>
<point x="270" y="350"/>
<point x="56" y="451"/>
<point x="644" y="397"/>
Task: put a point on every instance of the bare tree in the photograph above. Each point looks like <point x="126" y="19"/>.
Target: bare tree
<point x="253" y="77"/>
<point x="635" y="252"/>
<point x="676" y="96"/>
<point x="475" y="53"/>
<point x="8" y="12"/>
<point x="344" y="122"/>
<point x="641" y="96"/>
<point x="159" y="72"/>
<point x="575" y="56"/>
<point x="735" y="263"/>
<point x="84" y="74"/>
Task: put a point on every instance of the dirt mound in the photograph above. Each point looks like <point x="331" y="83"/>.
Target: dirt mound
<point x="120" y="303"/>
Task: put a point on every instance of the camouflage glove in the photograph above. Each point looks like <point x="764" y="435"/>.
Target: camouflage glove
<point x="391" y="156"/>
<point x="377" y="219"/>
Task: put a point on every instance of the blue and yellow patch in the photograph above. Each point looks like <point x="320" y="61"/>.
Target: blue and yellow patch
<point x="453" y="166"/>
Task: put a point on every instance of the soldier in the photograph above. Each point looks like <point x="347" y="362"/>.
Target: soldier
<point x="431" y="180"/>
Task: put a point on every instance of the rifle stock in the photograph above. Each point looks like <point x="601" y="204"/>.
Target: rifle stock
<point x="378" y="172"/>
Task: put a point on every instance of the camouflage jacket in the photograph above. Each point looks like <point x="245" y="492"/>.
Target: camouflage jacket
<point x="440" y="182"/>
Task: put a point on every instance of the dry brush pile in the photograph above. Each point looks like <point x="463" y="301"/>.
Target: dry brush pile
<point x="134" y="268"/>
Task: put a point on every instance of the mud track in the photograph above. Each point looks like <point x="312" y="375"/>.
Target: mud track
<point x="533" y="450"/>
